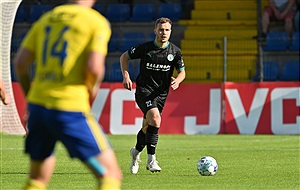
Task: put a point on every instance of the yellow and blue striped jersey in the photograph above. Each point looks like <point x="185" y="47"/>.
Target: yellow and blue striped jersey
<point x="61" y="41"/>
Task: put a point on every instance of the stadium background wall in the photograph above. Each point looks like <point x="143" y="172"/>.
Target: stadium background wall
<point x="225" y="108"/>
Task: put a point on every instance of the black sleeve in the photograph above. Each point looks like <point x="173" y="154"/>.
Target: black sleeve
<point x="179" y="61"/>
<point x="136" y="52"/>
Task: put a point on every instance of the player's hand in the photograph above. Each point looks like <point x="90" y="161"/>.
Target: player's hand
<point x="127" y="83"/>
<point x="6" y="100"/>
<point x="174" y="83"/>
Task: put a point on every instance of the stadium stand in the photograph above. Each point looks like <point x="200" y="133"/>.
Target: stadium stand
<point x="295" y="42"/>
<point x="16" y="41"/>
<point x="290" y="71"/>
<point x="22" y="14"/>
<point x="210" y="22"/>
<point x="113" y="44"/>
<point x="277" y="41"/>
<point x="143" y="12"/>
<point x="118" y="12"/>
<point x="134" y="70"/>
<point x="200" y="36"/>
<point x="37" y="10"/>
<point x="151" y="36"/>
<point x="115" y="73"/>
<point x="170" y="10"/>
<point x="100" y="7"/>
<point x="271" y="71"/>
<point x="130" y="39"/>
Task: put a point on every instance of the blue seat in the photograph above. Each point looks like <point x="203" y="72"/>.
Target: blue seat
<point x="290" y="71"/>
<point x="170" y="10"/>
<point x="13" y="73"/>
<point x="37" y="10"/>
<point x="151" y="36"/>
<point x="133" y="70"/>
<point x="277" y="41"/>
<point x="131" y="39"/>
<point x="106" y="74"/>
<point x="115" y="73"/>
<point x="271" y="71"/>
<point x="118" y="12"/>
<point x="100" y="7"/>
<point x="143" y="12"/>
<point x="113" y="44"/>
<point x="16" y="41"/>
<point x="22" y="14"/>
<point x="295" y="42"/>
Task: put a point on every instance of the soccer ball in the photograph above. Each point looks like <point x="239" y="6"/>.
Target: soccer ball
<point x="207" y="166"/>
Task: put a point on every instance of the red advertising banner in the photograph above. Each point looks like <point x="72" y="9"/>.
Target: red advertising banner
<point x="262" y="108"/>
<point x="232" y="108"/>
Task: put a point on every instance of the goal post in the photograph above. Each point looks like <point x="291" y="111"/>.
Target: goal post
<point x="9" y="118"/>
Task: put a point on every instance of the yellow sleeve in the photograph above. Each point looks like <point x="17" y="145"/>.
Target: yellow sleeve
<point x="29" y="41"/>
<point x="101" y="37"/>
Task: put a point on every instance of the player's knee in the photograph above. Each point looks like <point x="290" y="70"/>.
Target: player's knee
<point x="95" y="166"/>
<point x="154" y="120"/>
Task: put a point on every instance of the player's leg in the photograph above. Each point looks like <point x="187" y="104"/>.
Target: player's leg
<point x="85" y="139"/>
<point x="40" y="173"/>
<point x="153" y="118"/>
<point x="39" y="144"/>
<point x="106" y="169"/>
<point x="135" y="152"/>
<point x="141" y="137"/>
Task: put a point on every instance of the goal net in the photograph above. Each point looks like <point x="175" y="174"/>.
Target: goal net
<point x="9" y="118"/>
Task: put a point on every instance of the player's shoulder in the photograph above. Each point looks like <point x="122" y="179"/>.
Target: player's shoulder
<point x="174" y="48"/>
<point x="172" y="45"/>
<point x="80" y="11"/>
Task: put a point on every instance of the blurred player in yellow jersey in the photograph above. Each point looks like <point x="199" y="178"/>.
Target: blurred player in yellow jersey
<point x="69" y="46"/>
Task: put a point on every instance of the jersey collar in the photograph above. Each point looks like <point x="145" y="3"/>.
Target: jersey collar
<point x="164" y="47"/>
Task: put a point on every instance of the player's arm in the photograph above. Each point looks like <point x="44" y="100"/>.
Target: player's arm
<point x="97" y="49"/>
<point x="124" y="61"/>
<point x="180" y="77"/>
<point x="96" y="71"/>
<point x="23" y="60"/>
<point x="180" y="72"/>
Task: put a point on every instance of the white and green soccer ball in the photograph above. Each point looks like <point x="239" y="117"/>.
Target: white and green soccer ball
<point x="207" y="166"/>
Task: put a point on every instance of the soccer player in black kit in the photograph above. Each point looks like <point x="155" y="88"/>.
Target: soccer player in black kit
<point x="158" y="59"/>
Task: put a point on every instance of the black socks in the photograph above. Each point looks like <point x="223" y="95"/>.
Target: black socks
<point x="151" y="139"/>
<point x="140" y="141"/>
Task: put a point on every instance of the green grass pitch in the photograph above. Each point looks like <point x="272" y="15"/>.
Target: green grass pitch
<point x="245" y="162"/>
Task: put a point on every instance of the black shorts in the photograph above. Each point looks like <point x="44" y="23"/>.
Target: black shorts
<point x="147" y="101"/>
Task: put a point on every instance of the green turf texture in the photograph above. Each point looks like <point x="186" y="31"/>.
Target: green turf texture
<point x="245" y="162"/>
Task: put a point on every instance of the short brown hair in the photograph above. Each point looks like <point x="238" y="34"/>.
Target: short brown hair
<point x="162" y="20"/>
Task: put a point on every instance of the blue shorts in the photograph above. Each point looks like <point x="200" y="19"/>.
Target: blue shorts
<point x="79" y="132"/>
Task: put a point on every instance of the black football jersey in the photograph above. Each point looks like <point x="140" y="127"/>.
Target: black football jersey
<point x="156" y="66"/>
